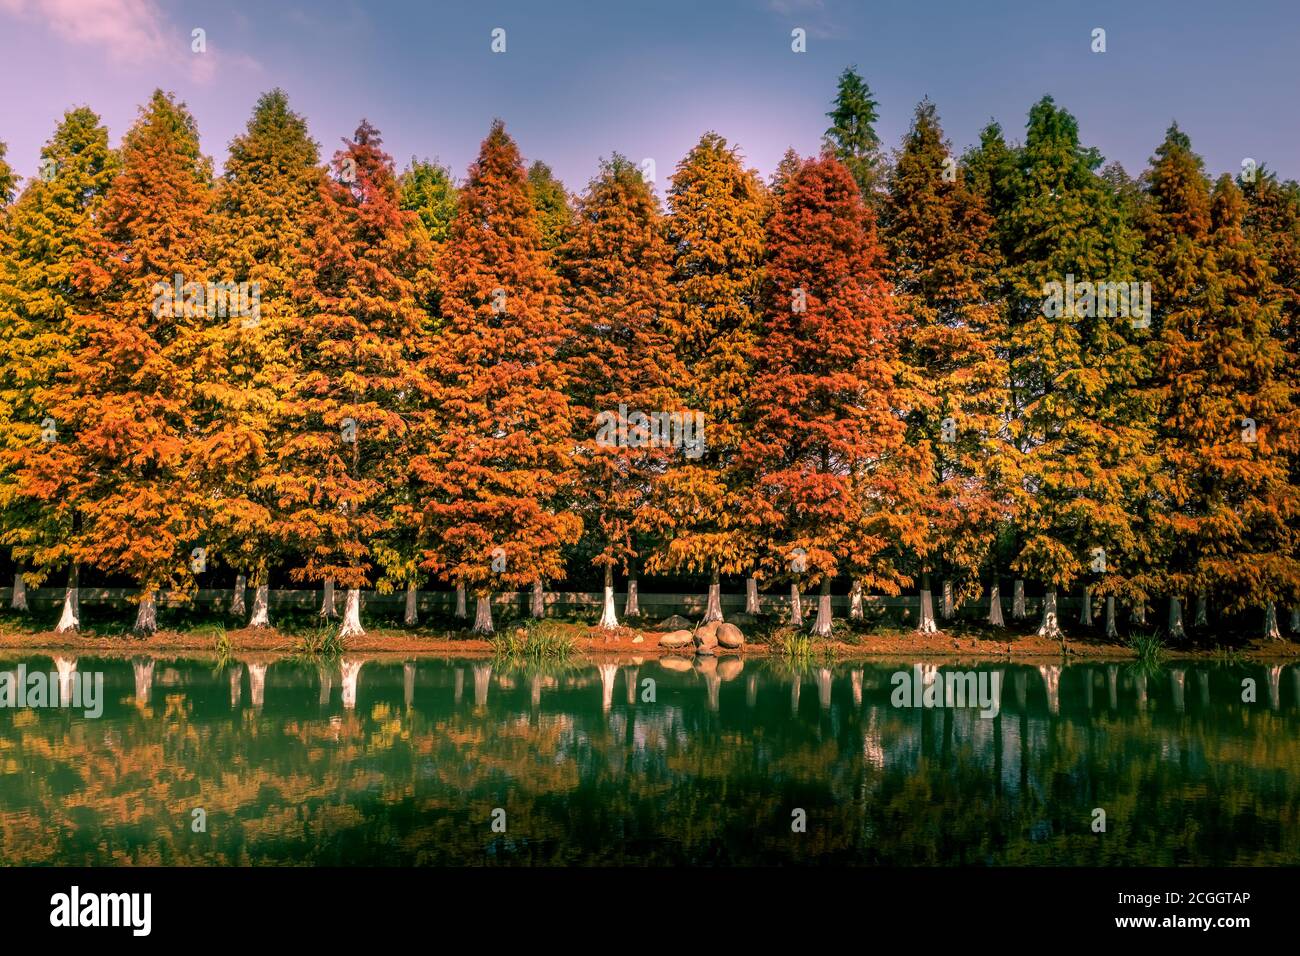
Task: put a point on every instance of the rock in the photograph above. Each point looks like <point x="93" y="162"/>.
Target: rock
<point x="678" y="664"/>
<point x="638" y="639"/>
<point x="729" y="668"/>
<point x="730" y="636"/>
<point x="706" y="637"/>
<point x="674" y="623"/>
<point x="675" y="639"/>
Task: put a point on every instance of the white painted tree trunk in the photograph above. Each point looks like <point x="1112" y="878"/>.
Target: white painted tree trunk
<point x="633" y="606"/>
<point x="237" y="606"/>
<point x="261" y="616"/>
<point x="608" y="612"/>
<point x="1271" y="631"/>
<point x="822" y="626"/>
<point x="1085" y="614"/>
<point x="946" y="608"/>
<point x="1295" y="626"/>
<point x="1018" y="611"/>
<point x="995" y="604"/>
<point x="461" y="611"/>
<point x="146" y="616"/>
<point x="1139" y="614"/>
<point x="483" y="615"/>
<point x="751" y="595"/>
<point x="796" y="605"/>
<point x="70" y="619"/>
<point x="329" y="608"/>
<point x="855" y="601"/>
<point x="411" y="614"/>
<point x="1176" y="630"/>
<point x="1111" y="630"/>
<point x="713" y="610"/>
<point x="1202" y="618"/>
<point x="537" y="605"/>
<point x="19" y="599"/>
<point x="925" y="623"/>
<point x="351" y="626"/>
<point x="1050" y="626"/>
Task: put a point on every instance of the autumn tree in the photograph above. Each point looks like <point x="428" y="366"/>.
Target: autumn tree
<point x="46" y="240"/>
<point x="497" y="467"/>
<point x="823" y="392"/>
<point x="944" y="271"/>
<point x="698" y="505"/>
<point x="852" y="133"/>
<point x="125" y="402"/>
<point x="8" y="179"/>
<point x="1076" y="347"/>
<point x="356" y="346"/>
<point x="267" y="198"/>
<point x="622" y="368"/>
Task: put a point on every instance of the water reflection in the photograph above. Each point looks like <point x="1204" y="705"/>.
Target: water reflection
<point x="694" y="761"/>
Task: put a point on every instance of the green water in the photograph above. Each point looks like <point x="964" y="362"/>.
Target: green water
<point x="406" y="762"/>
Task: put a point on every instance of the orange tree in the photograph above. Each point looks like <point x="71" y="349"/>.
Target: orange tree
<point x="496" y="464"/>
<point x="621" y="364"/>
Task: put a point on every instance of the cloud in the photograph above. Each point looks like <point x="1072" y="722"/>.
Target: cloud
<point x="129" y="32"/>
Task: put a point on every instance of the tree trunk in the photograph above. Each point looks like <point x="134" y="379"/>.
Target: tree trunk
<point x="70" y="619"/>
<point x="1270" y="623"/>
<point x="995" y="604"/>
<point x="608" y="612"/>
<point x="1202" y="618"/>
<point x="796" y="605"/>
<point x="1295" y="626"/>
<point x="537" y="602"/>
<point x="855" y="601"/>
<point x="19" y="600"/>
<point x="751" y="595"/>
<point x="261" y="603"/>
<point x="1176" y="630"/>
<point x="483" y="615"/>
<point x="411" y="615"/>
<point x="146" y="616"/>
<point x="329" y="608"/>
<point x="1111" y="630"/>
<point x="1085" y="615"/>
<point x="713" y="611"/>
<point x="237" y="607"/>
<point x="461" y="611"/>
<point x="1018" y="611"/>
<point x="822" y="626"/>
<point x="351" y="626"/>
<point x="1050" y="627"/>
<point x="1139" y="613"/>
<point x="946" y="608"/>
<point x="633" y="606"/>
<point x="925" y="623"/>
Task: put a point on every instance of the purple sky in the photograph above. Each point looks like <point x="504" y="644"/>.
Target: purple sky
<point x="580" y="80"/>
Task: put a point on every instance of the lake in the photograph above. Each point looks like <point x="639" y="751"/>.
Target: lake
<point x="472" y="762"/>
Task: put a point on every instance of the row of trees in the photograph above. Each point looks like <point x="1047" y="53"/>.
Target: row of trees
<point x="1013" y="361"/>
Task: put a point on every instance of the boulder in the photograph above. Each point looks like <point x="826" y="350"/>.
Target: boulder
<point x="674" y="623"/>
<point x="675" y="639"/>
<point x="730" y="636"/>
<point x="706" y="637"/>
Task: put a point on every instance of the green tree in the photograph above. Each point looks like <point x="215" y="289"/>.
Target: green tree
<point x="852" y="133"/>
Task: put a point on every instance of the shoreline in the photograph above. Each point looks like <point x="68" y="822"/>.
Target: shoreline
<point x="590" y="643"/>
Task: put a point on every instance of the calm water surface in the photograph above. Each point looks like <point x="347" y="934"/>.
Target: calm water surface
<point x="392" y="762"/>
